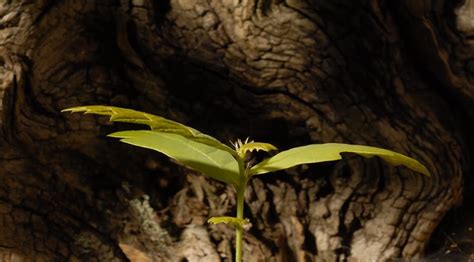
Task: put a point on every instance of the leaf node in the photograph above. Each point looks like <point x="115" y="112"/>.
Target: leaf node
<point x="234" y="221"/>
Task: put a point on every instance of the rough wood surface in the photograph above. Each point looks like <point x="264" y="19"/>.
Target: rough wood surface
<point x="394" y="74"/>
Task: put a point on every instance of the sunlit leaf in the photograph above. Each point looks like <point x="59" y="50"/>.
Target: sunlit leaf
<point x="329" y="152"/>
<point x="236" y="222"/>
<point x="254" y="146"/>
<point x="156" y="123"/>
<point x="211" y="161"/>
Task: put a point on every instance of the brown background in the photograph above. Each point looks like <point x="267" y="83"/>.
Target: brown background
<point x="394" y="74"/>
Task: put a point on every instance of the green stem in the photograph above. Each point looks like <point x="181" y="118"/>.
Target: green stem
<point x="239" y="231"/>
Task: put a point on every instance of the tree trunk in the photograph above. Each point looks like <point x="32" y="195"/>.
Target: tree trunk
<point x="394" y="74"/>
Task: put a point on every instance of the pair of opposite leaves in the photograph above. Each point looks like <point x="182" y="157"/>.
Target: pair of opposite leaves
<point x="209" y="156"/>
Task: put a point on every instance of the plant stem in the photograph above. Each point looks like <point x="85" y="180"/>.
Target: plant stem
<point x="239" y="231"/>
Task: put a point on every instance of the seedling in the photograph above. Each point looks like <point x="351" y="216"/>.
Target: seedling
<point x="216" y="160"/>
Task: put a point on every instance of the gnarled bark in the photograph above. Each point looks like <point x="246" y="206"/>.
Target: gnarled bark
<point x="397" y="75"/>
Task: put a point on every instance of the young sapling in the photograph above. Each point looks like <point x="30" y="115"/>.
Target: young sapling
<point x="216" y="160"/>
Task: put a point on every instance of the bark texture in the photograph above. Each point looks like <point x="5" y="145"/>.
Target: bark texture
<point x="394" y="74"/>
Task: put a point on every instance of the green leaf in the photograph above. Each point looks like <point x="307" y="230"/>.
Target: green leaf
<point x="254" y="146"/>
<point x="209" y="160"/>
<point x="329" y="152"/>
<point x="236" y="222"/>
<point x="156" y="123"/>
